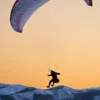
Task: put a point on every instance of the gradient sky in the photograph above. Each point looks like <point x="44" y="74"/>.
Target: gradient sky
<point x="65" y="33"/>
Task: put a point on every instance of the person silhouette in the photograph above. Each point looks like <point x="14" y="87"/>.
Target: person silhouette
<point x="54" y="78"/>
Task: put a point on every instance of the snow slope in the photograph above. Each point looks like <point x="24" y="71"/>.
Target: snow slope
<point x="18" y="92"/>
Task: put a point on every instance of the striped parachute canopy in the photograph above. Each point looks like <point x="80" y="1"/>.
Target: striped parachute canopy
<point x="22" y="11"/>
<point x="89" y="2"/>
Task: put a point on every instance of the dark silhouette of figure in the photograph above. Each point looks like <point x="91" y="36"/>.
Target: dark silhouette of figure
<point x="54" y="78"/>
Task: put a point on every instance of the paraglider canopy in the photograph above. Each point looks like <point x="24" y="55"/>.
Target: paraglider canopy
<point x="89" y="2"/>
<point x="23" y="9"/>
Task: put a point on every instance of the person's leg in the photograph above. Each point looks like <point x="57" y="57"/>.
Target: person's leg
<point x="50" y="83"/>
<point x="55" y="81"/>
<point x="53" y="84"/>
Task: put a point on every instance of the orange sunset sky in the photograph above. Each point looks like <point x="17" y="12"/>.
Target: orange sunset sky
<point x="65" y="33"/>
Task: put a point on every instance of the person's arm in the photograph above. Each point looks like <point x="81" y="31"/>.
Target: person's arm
<point x="49" y="75"/>
<point x="58" y="73"/>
